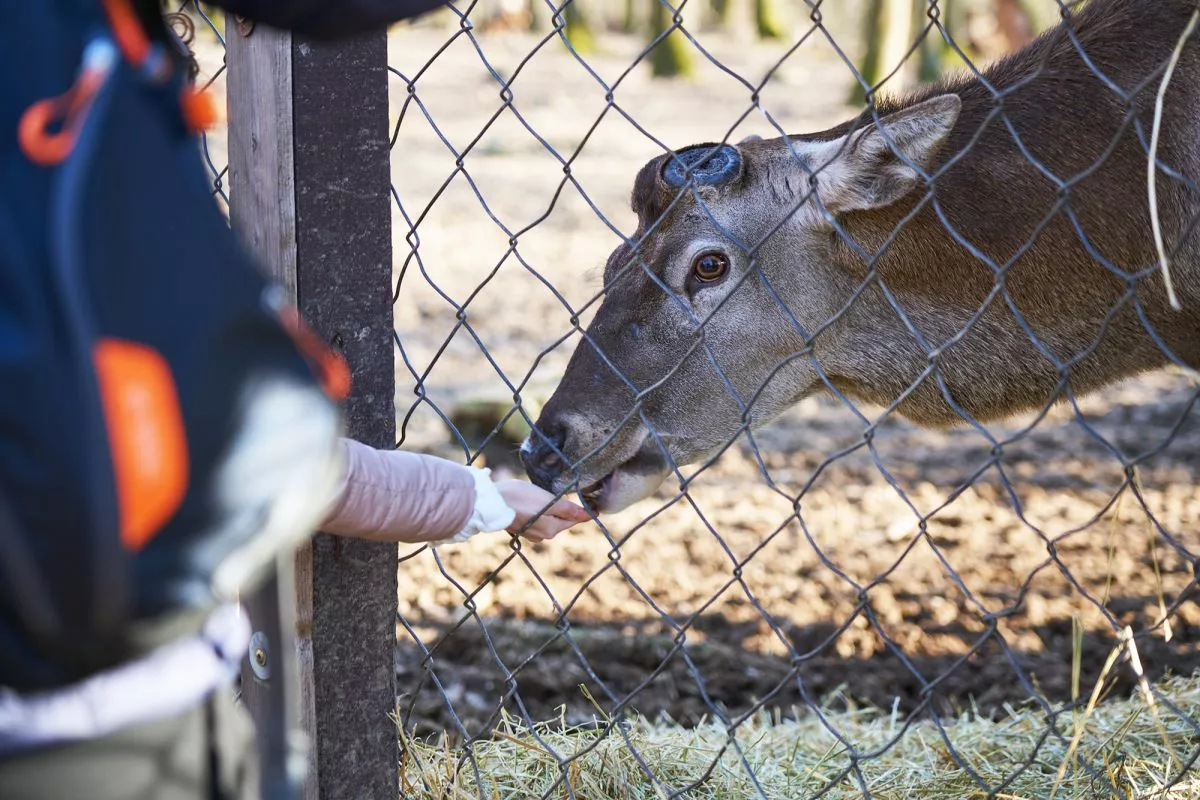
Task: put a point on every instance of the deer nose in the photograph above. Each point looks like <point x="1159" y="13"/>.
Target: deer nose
<point x="541" y="454"/>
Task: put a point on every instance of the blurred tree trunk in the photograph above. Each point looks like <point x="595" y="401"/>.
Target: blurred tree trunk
<point x="888" y="32"/>
<point x="737" y="17"/>
<point x="721" y="10"/>
<point x="768" y="21"/>
<point x="869" y="67"/>
<point x="536" y="10"/>
<point x="672" y="56"/>
<point x="630" y="22"/>
<point x="578" y="28"/>
<point x="898" y="35"/>
<point x="936" y="54"/>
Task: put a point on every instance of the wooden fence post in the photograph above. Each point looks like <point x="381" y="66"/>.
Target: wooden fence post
<point x="310" y="194"/>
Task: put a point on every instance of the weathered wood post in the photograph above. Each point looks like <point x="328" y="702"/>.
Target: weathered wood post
<point x="309" y="193"/>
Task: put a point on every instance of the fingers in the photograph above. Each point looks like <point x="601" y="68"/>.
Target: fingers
<point x="538" y="533"/>
<point x="530" y="503"/>
<point x="546" y="528"/>
<point x="564" y="509"/>
<point x="558" y="518"/>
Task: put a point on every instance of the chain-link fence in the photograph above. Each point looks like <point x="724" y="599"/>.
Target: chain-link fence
<point x="201" y="32"/>
<point x="832" y="592"/>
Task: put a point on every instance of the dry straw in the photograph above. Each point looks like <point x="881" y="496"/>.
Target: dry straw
<point x="1117" y="748"/>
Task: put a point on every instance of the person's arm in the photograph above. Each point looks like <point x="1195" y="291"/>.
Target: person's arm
<point x="329" y="19"/>
<point x="394" y="496"/>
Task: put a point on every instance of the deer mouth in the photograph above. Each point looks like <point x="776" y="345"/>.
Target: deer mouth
<point x="593" y="496"/>
<point x="628" y="483"/>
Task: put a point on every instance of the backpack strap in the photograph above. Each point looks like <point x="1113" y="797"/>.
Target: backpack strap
<point x="49" y="127"/>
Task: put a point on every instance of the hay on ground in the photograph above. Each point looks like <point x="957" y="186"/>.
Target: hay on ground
<point x="1119" y="748"/>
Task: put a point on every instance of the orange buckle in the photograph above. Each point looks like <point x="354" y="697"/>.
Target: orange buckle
<point x="46" y="148"/>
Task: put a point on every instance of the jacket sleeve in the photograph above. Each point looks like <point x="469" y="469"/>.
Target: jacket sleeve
<point x="394" y="496"/>
<point x="330" y="19"/>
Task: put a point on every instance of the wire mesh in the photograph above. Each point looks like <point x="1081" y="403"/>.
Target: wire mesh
<point x="841" y="556"/>
<point x="520" y="638"/>
<point x="200" y="31"/>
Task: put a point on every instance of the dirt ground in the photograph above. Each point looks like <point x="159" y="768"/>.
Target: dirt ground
<point x="853" y="602"/>
<point x="728" y="600"/>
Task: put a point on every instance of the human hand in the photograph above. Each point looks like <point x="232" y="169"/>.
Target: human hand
<point x="527" y="500"/>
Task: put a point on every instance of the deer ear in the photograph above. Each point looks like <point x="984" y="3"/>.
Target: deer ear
<point x="866" y="169"/>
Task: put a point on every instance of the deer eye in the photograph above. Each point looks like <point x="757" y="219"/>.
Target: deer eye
<point x="710" y="267"/>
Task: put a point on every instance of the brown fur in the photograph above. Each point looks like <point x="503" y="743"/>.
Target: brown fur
<point x="989" y="192"/>
<point x="997" y="200"/>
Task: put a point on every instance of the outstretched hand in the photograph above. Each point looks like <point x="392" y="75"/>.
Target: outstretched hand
<point x="527" y="500"/>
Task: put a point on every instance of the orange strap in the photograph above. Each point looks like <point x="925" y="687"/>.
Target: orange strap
<point x="199" y="110"/>
<point x="335" y="372"/>
<point x="128" y="31"/>
<point x="36" y="132"/>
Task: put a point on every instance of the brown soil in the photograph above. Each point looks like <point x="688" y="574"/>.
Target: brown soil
<point x="712" y="608"/>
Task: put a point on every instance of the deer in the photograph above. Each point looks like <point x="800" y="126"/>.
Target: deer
<point x="976" y="248"/>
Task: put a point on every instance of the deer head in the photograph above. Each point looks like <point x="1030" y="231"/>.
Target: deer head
<point x="706" y="320"/>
